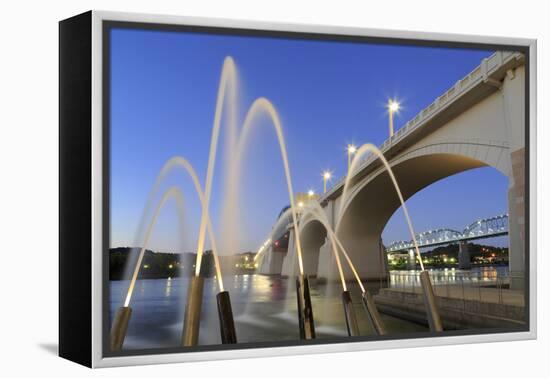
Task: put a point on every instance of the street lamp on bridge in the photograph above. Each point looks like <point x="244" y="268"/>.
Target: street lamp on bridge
<point x="326" y="176"/>
<point x="393" y="107"/>
<point x="351" y="150"/>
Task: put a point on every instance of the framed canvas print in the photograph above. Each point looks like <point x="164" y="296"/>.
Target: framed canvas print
<point x="232" y="189"/>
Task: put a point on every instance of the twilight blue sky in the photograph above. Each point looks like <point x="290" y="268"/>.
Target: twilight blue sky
<point x="328" y="94"/>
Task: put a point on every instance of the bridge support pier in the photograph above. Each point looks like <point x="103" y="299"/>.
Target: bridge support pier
<point x="463" y="255"/>
<point x="514" y="117"/>
<point x="272" y="262"/>
<point x="516" y="249"/>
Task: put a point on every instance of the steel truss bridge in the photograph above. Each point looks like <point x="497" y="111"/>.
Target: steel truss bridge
<point x="480" y="229"/>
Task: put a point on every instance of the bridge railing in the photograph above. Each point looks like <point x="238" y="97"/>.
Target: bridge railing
<point x="482" y="228"/>
<point x="478" y="75"/>
<point x="468" y="289"/>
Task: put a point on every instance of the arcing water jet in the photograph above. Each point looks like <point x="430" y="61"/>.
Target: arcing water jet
<point x="174" y="162"/>
<point x="372" y="312"/>
<point x="429" y="298"/>
<point x="259" y="106"/>
<point x="123" y="314"/>
<point x="228" y="79"/>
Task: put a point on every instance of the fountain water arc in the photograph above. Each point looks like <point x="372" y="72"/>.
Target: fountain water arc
<point x="365" y="148"/>
<point x="177" y="161"/>
<point x="321" y="213"/>
<point x="259" y="106"/>
<point x="192" y="313"/>
<point x="123" y="314"/>
<point x="174" y="192"/>
<point x="228" y="79"/>
<point x="320" y="217"/>
<point x="263" y="105"/>
<point x="349" y="312"/>
<point x="432" y="312"/>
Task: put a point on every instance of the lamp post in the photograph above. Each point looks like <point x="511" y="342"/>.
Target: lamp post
<point x="326" y="176"/>
<point x="393" y="106"/>
<point x="351" y="150"/>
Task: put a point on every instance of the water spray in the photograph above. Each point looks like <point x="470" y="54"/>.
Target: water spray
<point x="176" y="161"/>
<point x="349" y="311"/>
<point x="194" y="298"/>
<point x="263" y="105"/>
<point x="228" y="76"/>
<point x="434" y="319"/>
<point x="123" y="314"/>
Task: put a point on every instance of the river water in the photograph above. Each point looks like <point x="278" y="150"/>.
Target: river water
<point x="264" y="309"/>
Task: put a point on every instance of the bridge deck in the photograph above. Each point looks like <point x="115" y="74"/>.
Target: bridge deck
<point x="445" y="107"/>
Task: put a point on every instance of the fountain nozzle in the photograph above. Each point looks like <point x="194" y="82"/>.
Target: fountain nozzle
<point x="225" y="313"/>
<point x="373" y="314"/>
<point x="351" y="319"/>
<point x="429" y="300"/>
<point x="119" y="328"/>
<point x="193" y="308"/>
<point x="305" y="310"/>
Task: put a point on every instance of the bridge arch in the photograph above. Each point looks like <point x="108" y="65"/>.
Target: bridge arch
<point x="478" y="122"/>
<point x="373" y="201"/>
<point x="313" y="235"/>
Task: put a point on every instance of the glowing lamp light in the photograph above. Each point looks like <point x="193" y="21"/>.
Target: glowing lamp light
<point x="326" y="176"/>
<point x="351" y="150"/>
<point x="393" y="106"/>
<point x="310" y="193"/>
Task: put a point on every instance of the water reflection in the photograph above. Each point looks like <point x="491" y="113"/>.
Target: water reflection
<point x="411" y="278"/>
<point x="264" y="310"/>
<point x="168" y="289"/>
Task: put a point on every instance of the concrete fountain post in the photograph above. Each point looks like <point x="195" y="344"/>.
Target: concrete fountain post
<point x="119" y="328"/>
<point x="305" y="310"/>
<point x="191" y="323"/>
<point x="351" y="320"/>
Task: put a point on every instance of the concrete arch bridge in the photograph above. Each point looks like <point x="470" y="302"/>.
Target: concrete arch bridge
<point x="480" y="121"/>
